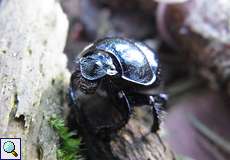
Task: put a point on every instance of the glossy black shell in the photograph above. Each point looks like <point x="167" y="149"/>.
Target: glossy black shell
<point x="138" y="63"/>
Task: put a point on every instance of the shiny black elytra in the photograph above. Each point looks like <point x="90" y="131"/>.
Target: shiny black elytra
<point x="121" y="70"/>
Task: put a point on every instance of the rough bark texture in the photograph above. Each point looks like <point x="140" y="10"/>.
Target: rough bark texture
<point x="137" y="143"/>
<point x="32" y="73"/>
<point x="133" y="142"/>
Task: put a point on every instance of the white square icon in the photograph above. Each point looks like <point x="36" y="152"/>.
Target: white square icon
<point x="10" y="148"/>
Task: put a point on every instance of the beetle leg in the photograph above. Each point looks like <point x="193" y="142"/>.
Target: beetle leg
<point x="123" y="99"/>
<point x="160" y="99"/>
<point x="72" y="96"/>
<point x="158" y="103"/>
<point x="122" y="96"/>
<point x="156" y="122"/>
<point x="142" y="99"/>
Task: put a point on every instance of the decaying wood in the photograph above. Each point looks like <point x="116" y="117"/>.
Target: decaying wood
<point x="133" y="142"/>
<point x="32" y="73"/>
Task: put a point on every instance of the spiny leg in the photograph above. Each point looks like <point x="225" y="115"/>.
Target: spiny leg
<point x="122" y="96"/>
<point x="121" y="101"/>
<point x="156" y="122"/>
<point x="157" y="102"/>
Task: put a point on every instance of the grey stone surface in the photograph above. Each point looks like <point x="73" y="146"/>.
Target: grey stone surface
<point x="32" y="73"/>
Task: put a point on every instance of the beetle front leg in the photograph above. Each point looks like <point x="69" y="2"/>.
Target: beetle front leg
<point x="72" y="94"/>
<point x="123" y="101"/>
<point x="123" y="98"/>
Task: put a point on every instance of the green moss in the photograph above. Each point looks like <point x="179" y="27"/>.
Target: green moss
<point x="70" y="146"/>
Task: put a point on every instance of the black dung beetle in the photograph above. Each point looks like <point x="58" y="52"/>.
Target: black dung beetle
<point x="119" y="69"/>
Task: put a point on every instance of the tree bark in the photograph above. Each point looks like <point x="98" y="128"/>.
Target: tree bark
<point x="136" y="142"/>
<point x="133" y="142"/>
<point x="32" y="73"/>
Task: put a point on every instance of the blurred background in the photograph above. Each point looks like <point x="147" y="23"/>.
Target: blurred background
<point x="192" y="38"/>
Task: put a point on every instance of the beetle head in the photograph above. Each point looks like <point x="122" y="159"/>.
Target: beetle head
<point x="96" y="66"/>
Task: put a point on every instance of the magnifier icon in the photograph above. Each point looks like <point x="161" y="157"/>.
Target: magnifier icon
<point x="9" y="147"/>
